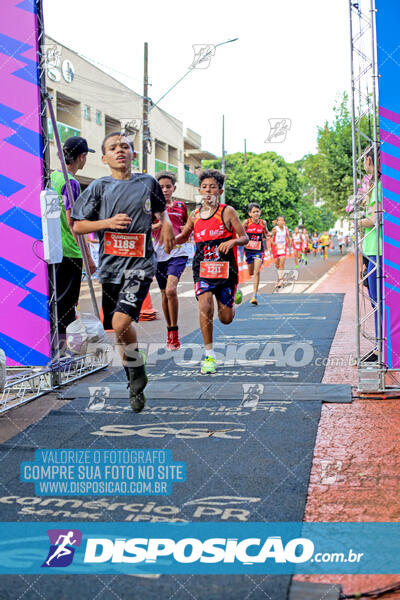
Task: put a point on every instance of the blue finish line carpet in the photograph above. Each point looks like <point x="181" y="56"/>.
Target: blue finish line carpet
<point x="247" y="458"/>
<point x="285" y="339"/>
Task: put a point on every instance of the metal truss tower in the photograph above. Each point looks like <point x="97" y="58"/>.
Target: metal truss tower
<point x="364" y="102"/>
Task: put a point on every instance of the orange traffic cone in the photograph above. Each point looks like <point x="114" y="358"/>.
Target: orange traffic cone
<point x="243" y="271"/>
<point x="147" y="312"/>
<point x="268" y="258"/>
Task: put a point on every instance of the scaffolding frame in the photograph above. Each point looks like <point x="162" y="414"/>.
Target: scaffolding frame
<point x="29" y="383"/>
<point x="365" y="136"/>
<point x="26" y="383"/>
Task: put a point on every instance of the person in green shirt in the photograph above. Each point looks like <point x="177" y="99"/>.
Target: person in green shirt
<point x="69" y="271"/>
<point x="370" y="245"/>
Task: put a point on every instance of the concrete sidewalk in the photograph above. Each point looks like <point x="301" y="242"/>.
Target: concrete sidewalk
<point x="356" y="467"/>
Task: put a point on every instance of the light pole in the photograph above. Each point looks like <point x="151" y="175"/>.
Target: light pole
<point x="148" y="104"/>
<point x="146" y="128"/>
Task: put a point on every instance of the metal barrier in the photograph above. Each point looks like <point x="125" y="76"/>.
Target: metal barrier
<point x="24" y="385"/>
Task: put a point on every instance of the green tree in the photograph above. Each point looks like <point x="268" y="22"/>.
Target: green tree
<point x="267" y="179"/>
<point x="277" y="186"/>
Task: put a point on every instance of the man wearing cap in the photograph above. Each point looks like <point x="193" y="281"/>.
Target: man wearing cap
<point x="69" y="271"/>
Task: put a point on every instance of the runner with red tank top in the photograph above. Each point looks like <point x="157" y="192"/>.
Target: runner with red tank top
<point x="217" y="232"/>
<point x="170" y="266"/>
<point x="280" y="243"/>
<point x="257" y="230"/>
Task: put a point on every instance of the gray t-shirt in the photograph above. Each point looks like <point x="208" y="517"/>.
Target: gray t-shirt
<point x="140" y="197"/>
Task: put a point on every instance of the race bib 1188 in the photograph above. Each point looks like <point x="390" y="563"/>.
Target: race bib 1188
<point x="125" y="244"/>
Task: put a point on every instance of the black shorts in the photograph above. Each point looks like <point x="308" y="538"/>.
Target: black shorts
<point x="126" y="297"/>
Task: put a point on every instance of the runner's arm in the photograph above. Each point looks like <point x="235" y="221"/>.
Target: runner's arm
<point x="183" y="237"/>
<point x="242" y="238"/>
<point x="185" y="217"/>
<point x="120" y="221"/>
<point x="86" y="211"/>
<point x="167" y="236"/>
<point x="265" y="229"/>
<point x="369" y="220"/>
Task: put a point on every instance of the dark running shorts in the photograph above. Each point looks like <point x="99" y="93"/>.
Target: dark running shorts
<point x="125" y="297"/>
<point x="252" y="255"/>
<point x="174" y="266"/>
<point x="225" y="293"/>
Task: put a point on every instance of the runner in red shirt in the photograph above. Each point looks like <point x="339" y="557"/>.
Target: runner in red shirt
<point x="170" y="266"/>
<point x="217" y="232"/>
<point x="256" y="229"/>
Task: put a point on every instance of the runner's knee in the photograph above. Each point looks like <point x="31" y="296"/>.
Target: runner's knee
<point x="121" y="323"/>
<point x="171" y="292"/>
<point x="226" y="315"/>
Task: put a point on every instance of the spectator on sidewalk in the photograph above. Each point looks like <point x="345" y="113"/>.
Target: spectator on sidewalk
<point x="370" y="249"/>
<point x="69" y="271"/>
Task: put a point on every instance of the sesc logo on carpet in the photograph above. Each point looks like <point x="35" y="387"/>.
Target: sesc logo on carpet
<point x="62" y="542"/>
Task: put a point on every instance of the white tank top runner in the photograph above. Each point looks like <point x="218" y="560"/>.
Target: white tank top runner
<point x="280" y="235"/>
<point x="296" y="237"/>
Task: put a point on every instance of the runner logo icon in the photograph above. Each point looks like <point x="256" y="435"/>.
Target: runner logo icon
<point x="251" y="394"/>
<point x="62" y="542"/>
<point x="98" y="398"/>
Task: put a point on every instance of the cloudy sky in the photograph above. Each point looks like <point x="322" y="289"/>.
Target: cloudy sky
<point x="291" y="61"/>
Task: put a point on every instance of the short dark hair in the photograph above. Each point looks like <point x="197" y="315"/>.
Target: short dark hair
<point x="212" y="173"/>
<point x="166" y="175"/>
<point x="69" y="160"/>
<point x="251" y="206"/>
<point x="113" y="134"/>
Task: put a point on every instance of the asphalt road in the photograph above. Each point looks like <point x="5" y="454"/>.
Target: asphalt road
<point x="154" y="331"/>
<point x="18" y="419"/>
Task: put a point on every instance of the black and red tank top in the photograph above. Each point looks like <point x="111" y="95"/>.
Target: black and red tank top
<point x="255" y="231"/>
<point x="208" y="235"/>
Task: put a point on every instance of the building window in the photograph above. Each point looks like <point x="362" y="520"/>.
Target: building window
<point x="98" y="117"/>
<point x="86" y="112"/>
<point x="111" y="125"/>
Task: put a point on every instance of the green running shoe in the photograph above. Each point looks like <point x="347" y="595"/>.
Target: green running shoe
<point x="209" y="366"/>
<point x="238" y="297"/>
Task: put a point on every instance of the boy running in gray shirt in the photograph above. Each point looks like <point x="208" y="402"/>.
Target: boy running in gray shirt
<point x="120" y="209"/>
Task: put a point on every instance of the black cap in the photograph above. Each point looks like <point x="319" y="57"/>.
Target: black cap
<point x="74" y="146"/>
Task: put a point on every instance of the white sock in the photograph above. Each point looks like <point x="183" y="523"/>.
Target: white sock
<point x="209" y="353"/>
